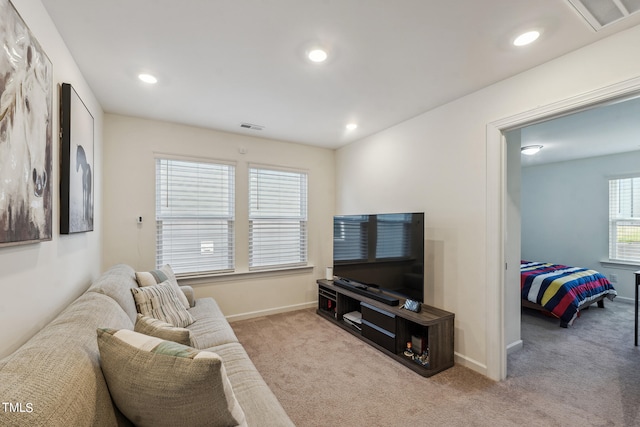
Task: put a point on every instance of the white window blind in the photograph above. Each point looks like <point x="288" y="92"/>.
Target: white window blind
<point x="350" y="238"/>
<point x="195" y="215"/>
<point x="393" y="236"/>
<point x="277" y="218"/>
<point x="624" y="219"/>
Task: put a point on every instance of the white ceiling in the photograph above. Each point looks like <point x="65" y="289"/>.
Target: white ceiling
<point x="224" y="62"/>
<point x="602" y="130"/>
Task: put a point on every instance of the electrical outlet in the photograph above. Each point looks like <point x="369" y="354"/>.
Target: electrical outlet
<point x="613" y="278"/>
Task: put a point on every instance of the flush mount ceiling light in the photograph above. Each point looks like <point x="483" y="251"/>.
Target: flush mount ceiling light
<point x="526" y="38"/>
<point x="317" y="55"/>
<point x="352" y="126"/>
<point x="530" y="150"/>
<point x="148" y="78"/>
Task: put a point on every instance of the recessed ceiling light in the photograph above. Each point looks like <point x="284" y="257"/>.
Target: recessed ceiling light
<point x="148" y="78"/>
<point x="317" y="55"/>
<point x="530" y="150"/>
<point x="352" y="126"/>
<point x="526" y="38"/>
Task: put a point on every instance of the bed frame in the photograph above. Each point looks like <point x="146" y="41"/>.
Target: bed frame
<point x="583" y="306"/>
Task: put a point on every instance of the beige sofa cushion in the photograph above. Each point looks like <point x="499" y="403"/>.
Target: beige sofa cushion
<point x="161" y="302"/>
<point x="156" y="382"/>
<point x="254" y="395"/>
<point x="211" y="327"/>
<point x="163" y="330"/>
<point x="58" y="370"/>
<point x="116" y="283"/>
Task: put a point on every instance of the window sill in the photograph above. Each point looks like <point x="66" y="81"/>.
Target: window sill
<point x="616" y="263"/>
<point x="234" y="276"/>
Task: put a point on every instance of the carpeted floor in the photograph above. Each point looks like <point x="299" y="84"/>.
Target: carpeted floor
<point x="586" y="375"/>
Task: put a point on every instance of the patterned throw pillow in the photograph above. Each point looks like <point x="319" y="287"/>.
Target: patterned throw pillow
<point x="155" y="382"/>
<point x="160" y="302"/>
<point x="153" y="277"/>
<point x="163" y="330"/>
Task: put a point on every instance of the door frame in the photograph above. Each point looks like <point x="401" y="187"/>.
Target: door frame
<point x="496" y="218"/>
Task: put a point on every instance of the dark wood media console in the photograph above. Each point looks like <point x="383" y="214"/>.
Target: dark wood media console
<point x="389" y="328"/>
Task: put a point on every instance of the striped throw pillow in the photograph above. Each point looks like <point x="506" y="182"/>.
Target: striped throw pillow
<point x="161" y="302"/>
<point x="153" y="277"/>
<point x="156" y="382"/>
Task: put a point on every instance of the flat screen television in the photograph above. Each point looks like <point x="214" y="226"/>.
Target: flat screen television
<point x="383" y="250"/>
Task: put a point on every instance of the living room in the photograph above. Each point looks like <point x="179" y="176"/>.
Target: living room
<point x="445" y="162"/>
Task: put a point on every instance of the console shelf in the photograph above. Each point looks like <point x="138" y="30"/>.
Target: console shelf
<point x="390" y="328"/>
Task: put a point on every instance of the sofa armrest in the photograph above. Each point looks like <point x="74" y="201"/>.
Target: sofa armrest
<point x="191" y="297"/>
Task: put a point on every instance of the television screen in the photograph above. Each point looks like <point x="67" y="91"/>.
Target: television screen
<point x="384" y="250"/>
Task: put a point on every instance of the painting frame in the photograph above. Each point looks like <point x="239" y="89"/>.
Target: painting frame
<point x="77" y="163"/>
<point x="26" y="121"/>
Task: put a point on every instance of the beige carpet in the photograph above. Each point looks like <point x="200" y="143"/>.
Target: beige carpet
<point x="586" y="375"/>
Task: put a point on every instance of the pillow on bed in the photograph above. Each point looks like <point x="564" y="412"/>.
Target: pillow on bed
<point x="160" y="302"/>
<point x="153" y="277"/>
<point x="155" y="382"/>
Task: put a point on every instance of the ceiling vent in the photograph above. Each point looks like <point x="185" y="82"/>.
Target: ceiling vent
<point x="601" y="13"/>
<point x="251" y="126"/>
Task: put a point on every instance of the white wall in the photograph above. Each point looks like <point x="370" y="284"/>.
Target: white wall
<point x="565" y="214"/>
<point x="38" y="280"/>
<point x="129" y="192"/>
<point x="513" y="241"/>
<point x="437" y="162"/>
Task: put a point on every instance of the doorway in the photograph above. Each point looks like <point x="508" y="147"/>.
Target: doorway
<point x="501" y="324"/>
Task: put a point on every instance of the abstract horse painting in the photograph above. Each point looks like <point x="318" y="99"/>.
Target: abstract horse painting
<point x="76" y="181"/>
<point x="25" y="133"/>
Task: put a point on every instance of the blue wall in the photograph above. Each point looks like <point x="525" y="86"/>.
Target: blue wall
<point x="565" y="214"/>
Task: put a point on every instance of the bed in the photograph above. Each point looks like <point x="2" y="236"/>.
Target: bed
<point x="562" y="290"/>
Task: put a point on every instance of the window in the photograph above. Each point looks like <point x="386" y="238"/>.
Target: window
<point x="277" y="218"/>
<point x="624" y="219"/>
<point x="195" y="215"/>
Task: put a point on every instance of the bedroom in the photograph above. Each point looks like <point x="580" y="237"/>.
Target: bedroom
<point x="564" y="190"/>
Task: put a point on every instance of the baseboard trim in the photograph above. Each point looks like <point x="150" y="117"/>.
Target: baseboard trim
<point x="472" y="364"/>
<point x="267" y="312"/>
<point x="515" y="346"/>
<point x="623" y="299"/>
